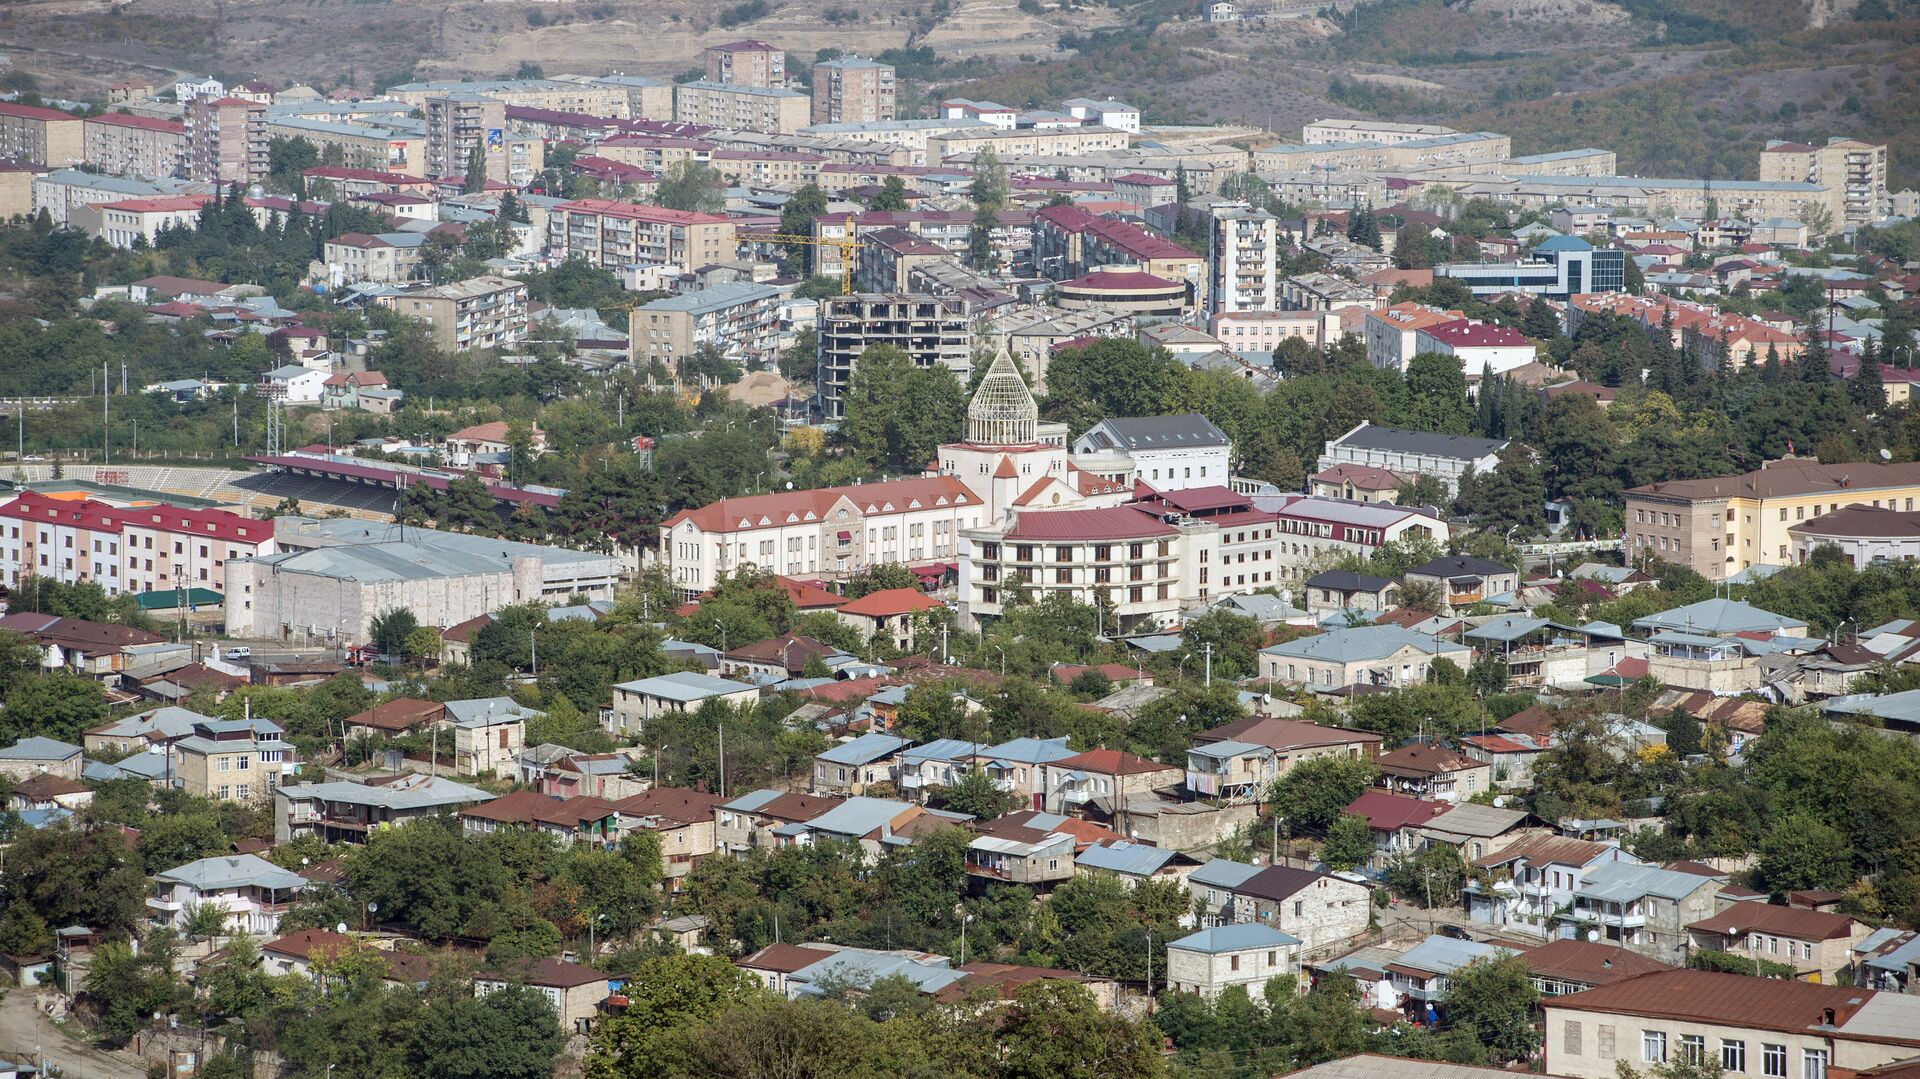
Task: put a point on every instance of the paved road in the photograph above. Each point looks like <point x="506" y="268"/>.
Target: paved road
<point x="23" y="1026"/>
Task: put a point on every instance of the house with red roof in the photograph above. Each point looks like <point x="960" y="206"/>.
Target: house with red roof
<point x="1480" y="346"/>
<point x="1394" y="820"/>
<point x="1098" y="783"/>
<point x="889" y="615"/>
<point x="126" y="550"/>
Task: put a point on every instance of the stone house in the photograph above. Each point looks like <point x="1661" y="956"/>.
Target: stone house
<point x="1212" y="960"/>
<point x="1322" y="910"/>
<point x="1817" y="944"/>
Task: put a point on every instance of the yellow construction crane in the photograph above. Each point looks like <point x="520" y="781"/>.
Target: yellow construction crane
<point x="849" y="250"/>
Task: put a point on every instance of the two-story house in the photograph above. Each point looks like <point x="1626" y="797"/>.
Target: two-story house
<point x="1237" y="761"/>
<point x="1320" y="909"/>
<point x="1645" y="908"/>
<point x="1213" y="960"/>
<point x="854" y="766"/>
<point x="1425" y="770"/>
<point x="252" y="892"/>
<point x="1533" y="879"/>
<point x="1817" y="944"/>
<point x="235" y="760"/>
<point x="1096" y="783"/>
<point x="1019" y="765"/>
<point x="681" y="819"/>
<point x="488" y="734"/>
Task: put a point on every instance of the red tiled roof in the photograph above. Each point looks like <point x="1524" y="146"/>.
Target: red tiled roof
<point x="812" y="506"/>
<point x="634" y="211"/>
<point x="167" y="204"/>
<point x="889" y="602"/>
<point x="678" y="804"/>
<point x="161" y="517"/>
<point x="1117" y="762"/>
<point x="1109" y="523"/>
<point x="1467" y="333"/>
<point x="403" y="713"/>
<point x="1285" y="734"/>
<point x="1733" y="1000"/>
<point x="145" y="123"/>
<point x="1363" y="477"/>
<point x="1387" y="812"/>
<point x="307" y="942"/>
<point x="1588" y="962"/>
<point x="1779" y="921"/>
<point x="1122" y="281"/>
<point x="1421" y="759"/>
<point x="33" y="112"/>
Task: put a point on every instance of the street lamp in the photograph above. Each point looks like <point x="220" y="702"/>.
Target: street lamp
<point x="964" y="919"/>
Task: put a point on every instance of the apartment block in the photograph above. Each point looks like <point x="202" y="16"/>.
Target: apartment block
<point x="1392" y="333"/>
<point x="613" y="235"/>
<point x="132" y="221"/>
<point x="746" y="63"/>
<point x="655" y="153"/>
<point x="484" y="312"/>
<point x="851" y="90"/>
<point x="390" y="146"/>
<point x="125" y="550"/>
<point x="1857" y="170"/>
<point x="1242" y="252"/>
<point x="767" y="167"/>
<point x="1324" y="132"/>
<point x="459" y="123"/>
<point x="1264" y="331"/>
<point x="1721" y="525"/>
<point x="227" y="140"/>
<point x="931" y="330"/>
<point x="600" y="97"/>
<point x="754" y="108"/>
<point x="741" y="318"/>
<point x="135" y="145"/>
<point x="37" y="136"/>
<point x="1124" y="557"/>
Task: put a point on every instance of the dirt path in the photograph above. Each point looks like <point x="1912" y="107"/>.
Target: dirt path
<point x="25" y="1028"/>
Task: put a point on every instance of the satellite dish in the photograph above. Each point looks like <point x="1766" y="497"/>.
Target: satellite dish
<point x="1593" y="936"/>
<point x="790" y="482"/>
<point x="1885" y="456"/>
<point x="340" y="928"/>
<point x="255" y="191"/>
<point x="1500" y="801"/>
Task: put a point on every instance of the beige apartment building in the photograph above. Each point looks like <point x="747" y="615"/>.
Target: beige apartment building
<point x="739" y="317"/>
<point x="1721" y="525"/>
<point x="227" y="140"/>
<point x="128" y="145"/>
<point x="459" y="122"/>
<point x="767" y="167"/>
<point x="1464" y="148"/>
<point x="1060" y="141"/>
<point x="232" y="760"/>
<point x="655" y="153"/>
<point x="754" y="108"/>
<point x="36" y="136"/>
<point x="597" y="97"/>
<point x="387" y="259"/>
<point x="613" y="235"/>
<point x="362" y="144"/>
<point x="1856" y="170"/>
<point x="484" y="312"/>
<point x="851" y="90"/>
<point x="746" y="63"/>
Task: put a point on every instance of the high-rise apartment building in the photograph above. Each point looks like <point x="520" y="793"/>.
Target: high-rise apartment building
<point x="746" y="63"/>
<point x="1856" y="170"/>
<point x="1242" y="256"/>
<point x="227" y="140"/>
<point x="851" y="90"/>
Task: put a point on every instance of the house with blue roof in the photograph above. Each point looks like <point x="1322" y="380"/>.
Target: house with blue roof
<point x="1211" y="884"/>
<point x="682" y="691"/>
<point x="939" y="763"/>
<point x="1135" y="862"/>
<point x="252" y="890"/>
<point x="1359" y="656"/>
<point x="1421" y="972"/>
<point x="1017" y="765"/>
<point x="859" y="763"/>
<point x="1643" y="908"/>
<point x="31" y="756"/>
<point x="1214" y="960"/>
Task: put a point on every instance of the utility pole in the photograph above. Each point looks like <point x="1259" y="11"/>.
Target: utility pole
<point x="106" y="432"/>
<point x="1209" y="655"/>
<point x="722" y="731"/>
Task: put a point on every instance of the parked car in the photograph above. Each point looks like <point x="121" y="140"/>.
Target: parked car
<point x="240" y="652"/>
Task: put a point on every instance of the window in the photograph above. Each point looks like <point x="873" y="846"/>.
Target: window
<point x="1233" y="962"/>
<point x="225" y="792"/>
<point x="1733" y="1055"/>
<point x="1299" y="908"/>
<point x="1773" y="1061"/>
<point x="1693" y="1048"/>
<point x="1813" y="1064"/>
<point x="1273" y="959"/>
<point x="1570" y="1037"/>
<point x="1653" y="1047"/>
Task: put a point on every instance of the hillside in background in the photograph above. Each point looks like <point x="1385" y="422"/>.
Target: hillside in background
<point x="1675" y="87"/>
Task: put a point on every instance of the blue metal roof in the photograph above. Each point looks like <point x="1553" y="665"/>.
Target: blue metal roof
<point x="1241" y="937"/>
<point x="943" y="749"/>
<point x="865" y="749"/>
<point x="38" y="748"/>
<point x="1222" y="873"/>
<point x="1030" y="750"/>
<point x="1133" y="859"/>
<point x="1444" y="955"/>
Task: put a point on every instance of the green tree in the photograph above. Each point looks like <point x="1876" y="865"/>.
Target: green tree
<point x="1541" y="323"/>
<point x="1313" y="792"/>
<point x="879" y="577"/>
<point x="511" y="1033"/>
<point x="59" y="705"/>
<point x="1495" y="998"/>
<point x="796" y="219"/>
<point x="990" y="187"/>
<point x="897" y="414"/>
<point x="1349" y="843"/>
<point x="664" y="995"/>
<point x="975" y="793"/>
<point x="1512" y="496"/>
<point x="389" y="630"/>
<point x="891" y="197"/>
<point x="1803" y="852"/>
<point x="128" y="988"/>
<point x="1432" y="877"/>
<point x="692" y="186"/>
<point x="476" y="178"/>
<point x="1055" y="1030"/>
